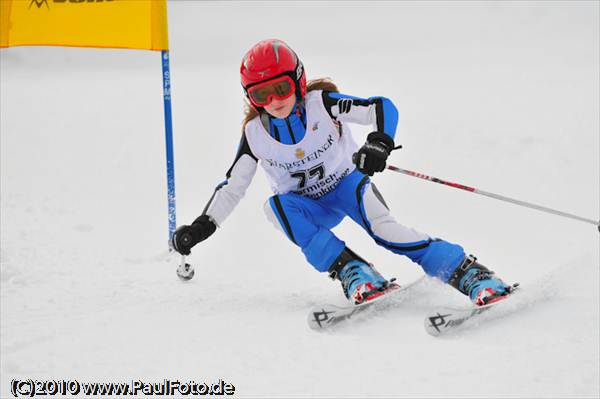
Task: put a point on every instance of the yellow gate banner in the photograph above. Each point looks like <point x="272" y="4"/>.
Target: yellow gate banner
<point x="134" y="24"/>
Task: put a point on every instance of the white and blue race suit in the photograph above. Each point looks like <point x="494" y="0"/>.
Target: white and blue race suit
<point x="307" y="159"/>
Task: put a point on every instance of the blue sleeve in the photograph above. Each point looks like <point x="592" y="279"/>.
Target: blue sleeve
<point x="380" y="112"/>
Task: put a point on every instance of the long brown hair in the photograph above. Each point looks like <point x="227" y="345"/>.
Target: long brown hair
<point x="315" y="84"/>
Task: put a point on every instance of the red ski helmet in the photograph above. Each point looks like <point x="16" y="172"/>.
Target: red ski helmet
<point x="271" y="59"/>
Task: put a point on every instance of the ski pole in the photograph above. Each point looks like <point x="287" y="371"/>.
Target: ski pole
<point x="492" y="195"/>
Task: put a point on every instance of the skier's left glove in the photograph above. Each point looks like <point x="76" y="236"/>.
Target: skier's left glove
<point x="371" y="157"/>
<point x="185" y="237"/>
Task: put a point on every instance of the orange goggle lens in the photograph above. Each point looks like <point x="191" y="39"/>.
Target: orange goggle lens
<point x="263" y="93"/>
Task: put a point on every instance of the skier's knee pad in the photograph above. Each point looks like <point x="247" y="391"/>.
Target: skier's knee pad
<point x="386" y="228"/>
<point x="381" y="224"/>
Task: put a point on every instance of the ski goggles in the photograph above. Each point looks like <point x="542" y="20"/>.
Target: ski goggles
<point x="263" y="93"/>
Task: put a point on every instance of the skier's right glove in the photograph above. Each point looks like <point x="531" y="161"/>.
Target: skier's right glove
<point x="185" y="237"/>
<point x="371" y="157"/>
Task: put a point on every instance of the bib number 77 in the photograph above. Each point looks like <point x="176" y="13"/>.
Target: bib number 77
<point x="304" y="175"/>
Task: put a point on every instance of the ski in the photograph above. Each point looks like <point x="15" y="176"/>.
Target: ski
<point x="447" y="319"/>
<point x="325" y="316"/>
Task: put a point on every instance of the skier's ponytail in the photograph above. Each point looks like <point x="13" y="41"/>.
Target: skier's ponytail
<point x="325" y="84"/>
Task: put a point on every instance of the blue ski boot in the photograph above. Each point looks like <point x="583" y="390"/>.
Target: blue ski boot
<point x="360" y="281"/>
<point x="479" y="283"/>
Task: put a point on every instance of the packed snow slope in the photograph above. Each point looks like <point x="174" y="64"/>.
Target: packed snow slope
<point x="503" y="96"/>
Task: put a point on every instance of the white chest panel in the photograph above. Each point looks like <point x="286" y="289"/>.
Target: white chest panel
<point x="314" y="166"/>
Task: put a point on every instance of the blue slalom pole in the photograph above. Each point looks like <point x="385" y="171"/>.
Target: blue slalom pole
<point x="169" y="141"/>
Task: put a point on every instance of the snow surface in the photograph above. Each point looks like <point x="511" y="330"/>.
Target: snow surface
<point x="503" y="96"/>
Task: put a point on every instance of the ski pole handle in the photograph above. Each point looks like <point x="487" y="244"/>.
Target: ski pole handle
<point x="495" y="196"/>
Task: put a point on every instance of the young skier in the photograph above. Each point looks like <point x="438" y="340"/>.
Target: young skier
<point x="318" y="174"/>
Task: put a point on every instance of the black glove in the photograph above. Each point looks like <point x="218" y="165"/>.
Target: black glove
<point x="185" y="237"/>
<point x="371" y="157"/>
